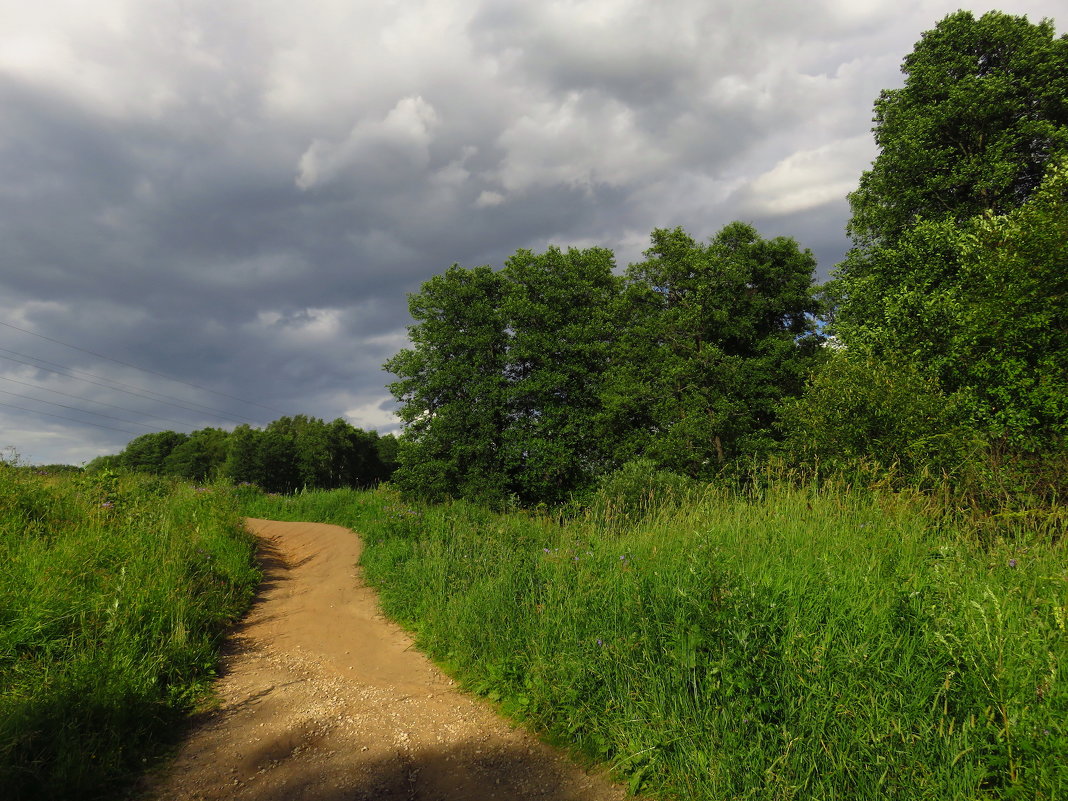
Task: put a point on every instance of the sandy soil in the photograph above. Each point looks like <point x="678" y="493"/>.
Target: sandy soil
<point x="322" y="699"/>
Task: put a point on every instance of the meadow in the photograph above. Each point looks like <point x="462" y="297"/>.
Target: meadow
<point x="787" y="641"/>
<point x="783" y="640"/>
<point x="114" y="595"/>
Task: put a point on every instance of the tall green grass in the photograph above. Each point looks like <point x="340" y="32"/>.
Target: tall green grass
<point x="113" y="594"/>
<point x="791" y="644"/>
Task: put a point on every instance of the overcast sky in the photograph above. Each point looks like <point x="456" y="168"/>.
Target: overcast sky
<point x="240" y="193"/>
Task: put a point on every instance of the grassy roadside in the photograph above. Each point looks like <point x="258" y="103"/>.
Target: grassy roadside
<point x="113" y="595"/>
<point x="798" y="644"/>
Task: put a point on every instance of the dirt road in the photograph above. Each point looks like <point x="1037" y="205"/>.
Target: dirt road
<point x="322" y="700"/>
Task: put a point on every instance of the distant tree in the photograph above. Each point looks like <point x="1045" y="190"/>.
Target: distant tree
<point x="107" y="462"/>
<point x="983" y="110"/>
<point x="242" y="464"/>
<point x="386" y="452"/>
<point x="713" y="339"/>
<point x="148" y="452"/>
<point x="278" y="461"/>
<point x="57" y="468"/>
<point x="200" y="457"/>
<point x="308" y="439"/>
<point x="354" y="456"/>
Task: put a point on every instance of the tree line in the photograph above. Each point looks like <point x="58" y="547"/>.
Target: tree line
<point x="941" y="338"/>
<point x="288" y="454"/>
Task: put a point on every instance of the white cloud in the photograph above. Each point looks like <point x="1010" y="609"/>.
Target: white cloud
<point x="808" y="178"/>
<point x="398" y="142"/>
<point x="371" y="415"/>
<point x="578" y="140"/>
<point x="488" y="198"/>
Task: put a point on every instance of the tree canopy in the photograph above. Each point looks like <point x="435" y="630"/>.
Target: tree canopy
<point x="712" y="337"/>
<point x="959" y="265"/>
<point x="288" y="454"/>
<point x="983" y="110"/>
<point x="532" y="381"/>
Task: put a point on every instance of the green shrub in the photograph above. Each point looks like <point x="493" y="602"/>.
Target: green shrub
<point x="637" y="490"/>
<point x="857" y="408"/>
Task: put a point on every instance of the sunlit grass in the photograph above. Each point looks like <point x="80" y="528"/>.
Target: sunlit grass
<point x="113" y="595"/>
<point x="796" y="644"/>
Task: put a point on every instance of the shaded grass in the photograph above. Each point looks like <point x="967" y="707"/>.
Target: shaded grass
<point x="793" y="643"/>
<point x="113" y="597"/>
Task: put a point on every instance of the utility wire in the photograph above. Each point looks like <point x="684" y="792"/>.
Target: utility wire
<point x="71" y="419"/>
<point x="90" y="400"/>
<point x="114" y="385"/>
<point x="142" y="369"/>
<point x="75" y="409"/>
<point x="129" y="388"/>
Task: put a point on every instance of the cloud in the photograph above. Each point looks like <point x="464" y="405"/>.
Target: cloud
<point x="808" y="178"/>
<point x="378" y="149"/>
<point x="373" y="415"/>
<point x="240" y="195"/>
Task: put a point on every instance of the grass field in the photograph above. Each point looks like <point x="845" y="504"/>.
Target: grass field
<point x="113" y="595"/>
<point x="786" y="644"/>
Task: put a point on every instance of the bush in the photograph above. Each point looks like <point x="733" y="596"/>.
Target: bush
<point x="858" y="408"/>
<point x="636" y="491"/>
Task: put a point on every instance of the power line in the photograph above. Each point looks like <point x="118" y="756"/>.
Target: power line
<point x="142" y="369"/>
<point x="74" y="409"/>
<point x="114" y="385"/>
<point x="90" y="400"/>
<point x="71" y="419"/>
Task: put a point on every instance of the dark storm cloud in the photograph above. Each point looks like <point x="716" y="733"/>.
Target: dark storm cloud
<point x="240" y="195"/>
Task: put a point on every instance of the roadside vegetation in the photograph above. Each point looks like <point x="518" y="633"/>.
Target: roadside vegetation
<point x="785" y="641"/>
<point x="114" y="594"/>
<point x="740" y="535"/>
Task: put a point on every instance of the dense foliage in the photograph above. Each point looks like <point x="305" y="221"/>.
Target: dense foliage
<point x="288" y="454"/>
<point x="531" y="382"/>
<point x="949" y="314"/>
<point x="958" y="280"/>
<point x="980" y="306"/>
<point x="983" y="110"/>
<point x="711" y="339"/>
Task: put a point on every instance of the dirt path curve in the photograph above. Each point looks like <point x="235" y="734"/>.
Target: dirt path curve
<point x="322" y="699"/>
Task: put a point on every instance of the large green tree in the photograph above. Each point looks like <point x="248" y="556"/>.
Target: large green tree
<point x="713" y="338"/>
<point x="501" y="387"/>
<point x="981" y="306"/>
<point x="451" y="384"/>
<point x="199" y="457"/>
<point x="983" y="109"/>
<point x="558" y="308"/>
<point x="958" y="268"/>
<point x="148" y="452"/>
